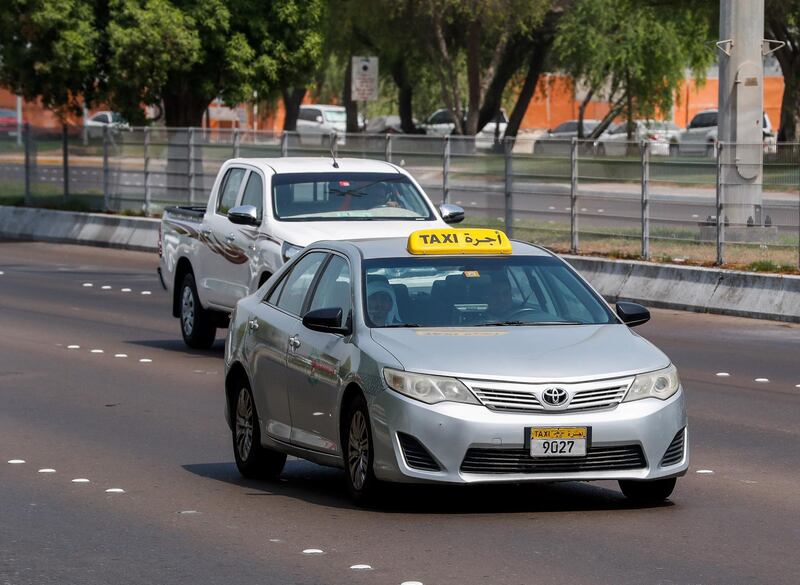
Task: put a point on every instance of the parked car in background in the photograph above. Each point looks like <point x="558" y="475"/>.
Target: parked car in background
<point x="386" y="125"/>
<point x="659" y="133"/>
<point x="316" y="123"/>
<point x="701" y="134"/>
<point x="559" y="139"/>
<point x="443" y="123"/>
<point x="8" y="121"/>
<point x="100" y="120"/>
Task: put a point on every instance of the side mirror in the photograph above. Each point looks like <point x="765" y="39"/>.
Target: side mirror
<point x="326" y="320"/>
<point x="451" y="213"/>
<point x="244" y="215"/>
<point x="632" y="314"/>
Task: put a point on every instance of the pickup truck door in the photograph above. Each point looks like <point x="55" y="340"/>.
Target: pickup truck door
<point x="225" y="264"/>
<point x="315" y="362"/>
<point x="273" y="323"/>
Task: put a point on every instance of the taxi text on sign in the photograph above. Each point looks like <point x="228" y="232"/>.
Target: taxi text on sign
<point x="462" y="241"/>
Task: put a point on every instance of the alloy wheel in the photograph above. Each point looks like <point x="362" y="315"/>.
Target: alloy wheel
<point x="358" y="450"/>
<point x="187" y="311"/>
<point x="244" y="424"/>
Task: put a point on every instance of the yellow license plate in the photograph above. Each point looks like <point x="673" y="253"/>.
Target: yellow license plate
<point x="550" y="433"/>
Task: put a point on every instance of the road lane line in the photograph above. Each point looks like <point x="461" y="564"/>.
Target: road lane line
<point x="80" y="480"/>
<point x="145" y="361"/>
<point x="115" y="491"/>
<point x="16" y="461"/>
<point x="723" y="374"/>
<point x="73" y="347"/>
<point x="361" y="567"/>
<point x="761" y="380"/>
<point x="313" y="551"/>
<point x="47" y="470"/>
<point x="97" y="351"/>
<point x="705" y="471"/>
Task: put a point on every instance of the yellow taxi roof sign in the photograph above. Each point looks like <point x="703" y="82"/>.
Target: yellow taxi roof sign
<point x="459" y="241"/>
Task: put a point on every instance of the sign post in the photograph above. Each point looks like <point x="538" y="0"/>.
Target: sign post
<point x="365" y="79"/>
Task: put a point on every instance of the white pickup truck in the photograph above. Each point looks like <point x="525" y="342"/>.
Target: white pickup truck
<point x="263" y="211"/>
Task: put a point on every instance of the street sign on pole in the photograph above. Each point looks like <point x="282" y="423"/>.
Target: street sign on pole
<point x="365" y="79"/>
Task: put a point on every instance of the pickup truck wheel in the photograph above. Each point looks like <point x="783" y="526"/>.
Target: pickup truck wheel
<point x="252" y="459"/>
<point x="196" y="327"/>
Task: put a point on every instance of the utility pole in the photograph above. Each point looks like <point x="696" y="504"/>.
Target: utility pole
<point x="741" y="109"/>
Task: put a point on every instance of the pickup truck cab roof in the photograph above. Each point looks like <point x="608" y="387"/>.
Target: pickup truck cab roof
<point x="318" y="165"/>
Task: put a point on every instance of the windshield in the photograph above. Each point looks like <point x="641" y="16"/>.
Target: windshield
<point x="347" y="196"/>
<point x="335" y="116"/>
<point x="477" y="291"/>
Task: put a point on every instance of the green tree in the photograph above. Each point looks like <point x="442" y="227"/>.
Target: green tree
<point x="634" y="53"/>
<point x="782" y="23"/>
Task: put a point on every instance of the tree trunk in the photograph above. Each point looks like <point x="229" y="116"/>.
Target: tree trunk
<point x="405" y="95"/>
<point x="351" y="107"/>
<point x="513" y="60"/>
<point x="184" y="108"/>
<point x="473" y="77"/>
<point x="582" y="112"/>
<point x="292" y="98"/>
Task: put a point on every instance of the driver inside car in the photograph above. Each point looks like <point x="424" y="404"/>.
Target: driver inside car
<point x="501" y="303"/>
<point x="381" y="304"/>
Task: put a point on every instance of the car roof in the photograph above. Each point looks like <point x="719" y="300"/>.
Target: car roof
<point x="318" y="164"/>
<point x="370" y="248"/>
<point x="323" y="107"/>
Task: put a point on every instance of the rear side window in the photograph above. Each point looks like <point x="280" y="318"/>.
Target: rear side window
<point x="229" y="190"/>
<point x="254" y="193"/>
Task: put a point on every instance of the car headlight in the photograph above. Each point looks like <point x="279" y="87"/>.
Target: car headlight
<point x="428" y="389"/>
<point x="288" y="250"/>
<point x="660" y="384"/>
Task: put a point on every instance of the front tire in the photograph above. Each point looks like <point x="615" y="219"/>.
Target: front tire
<point x="648" y="493"/>
<point x="252" y="459"/>
<point x="359" y="453"/>
<point x="196" y="327"/>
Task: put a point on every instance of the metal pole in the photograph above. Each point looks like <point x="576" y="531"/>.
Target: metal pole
<point x="147" y="194"/>
<point x="285" y="143"/>
<point x="106" y="190"/>
<point x="508" y="144"/>
<point x="446" y="170"/>
<point x="573" y="196"/>
<point x="27" y="130"/>
<point x="388" y="148"/>
<point x="720" y="206"/>
<point x="191" y="165"/>
<point x="236" y="142"/>
<point x="65" y="160"/>
<point x="645" y="200"/>
<point x="19" y="120"/>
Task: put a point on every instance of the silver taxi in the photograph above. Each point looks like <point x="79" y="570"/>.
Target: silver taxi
<point x="452" y="356"/>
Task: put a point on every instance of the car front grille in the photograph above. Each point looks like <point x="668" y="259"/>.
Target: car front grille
<point x="499" y="460"/>
<point x="518" y="397"/>
<point x="416" y="456"/>
<point x="674" y="452"/>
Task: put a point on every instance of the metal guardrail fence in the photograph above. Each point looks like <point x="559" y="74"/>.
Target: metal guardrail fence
<point x="634" y="200"/>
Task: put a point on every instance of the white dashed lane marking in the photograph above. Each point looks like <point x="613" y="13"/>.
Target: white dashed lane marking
<point x="96" y="351"/>
<point x="411" y="583"/>
<point x="761" y="380"/>
<point x="361" y="567"/>
<point x="125" y="290"/>
<point x="16" y="461"/>
<point x="188" y="512"/>
<point x="146" y="292"/>
<point x="705" y="471"/>
<point x="105" y="287"/>
<point x="88" y="284"/>
<point x="115" y="491"/>
<point x="1" y="273"/>
<point x="145" y="360"/>
<point x="313" y="551"/>
<point x="723" y="374"/>
<point x="80" y="480"/>
<point x="47" y="470"/>
<point x="73" y="347"/>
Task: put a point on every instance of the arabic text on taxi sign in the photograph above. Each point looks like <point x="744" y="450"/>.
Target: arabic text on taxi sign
<point x="461" y="241"/>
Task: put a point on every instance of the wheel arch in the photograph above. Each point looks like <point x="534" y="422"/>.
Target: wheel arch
<point x="182" y="268"/>
<point x="351" y="392"/>
<point x="236" y="375"/>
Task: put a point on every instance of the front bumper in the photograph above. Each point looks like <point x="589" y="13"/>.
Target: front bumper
<point x="448" y="430"/>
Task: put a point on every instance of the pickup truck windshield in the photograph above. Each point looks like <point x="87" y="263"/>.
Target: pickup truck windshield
<point x="347" y="196"/>
<point x="477" y="291"/>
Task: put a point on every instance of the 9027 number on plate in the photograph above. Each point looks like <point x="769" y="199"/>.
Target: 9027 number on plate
<point x="559" y="441"/>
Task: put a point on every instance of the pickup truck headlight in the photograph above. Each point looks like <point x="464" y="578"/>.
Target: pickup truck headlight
<point x="288" y="250"/>
<point x="428" y="389"/>
<point x="660" y="384"/>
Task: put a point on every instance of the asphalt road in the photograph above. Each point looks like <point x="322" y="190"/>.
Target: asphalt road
<point x="156" y="430"/>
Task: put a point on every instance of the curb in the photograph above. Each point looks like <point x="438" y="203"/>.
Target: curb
<point x="70" y="227"/>
<point x="687" y="288"/>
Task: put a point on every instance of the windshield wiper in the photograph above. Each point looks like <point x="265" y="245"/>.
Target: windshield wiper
<point x="534" y="323"/>
<point x="396" y="325"/>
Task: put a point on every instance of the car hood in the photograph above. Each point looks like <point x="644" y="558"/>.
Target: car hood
<point x="561" y="353"/>
<point x="303" y="233"/>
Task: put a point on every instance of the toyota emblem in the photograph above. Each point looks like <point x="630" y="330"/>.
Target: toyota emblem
<point x="555" y="396"/>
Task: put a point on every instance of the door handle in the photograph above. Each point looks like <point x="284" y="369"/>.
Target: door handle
<point x="206" y="231"/>
<point x="231" y="237"/>
<point x="294" y="342"/>
<point x="252" y="324"/>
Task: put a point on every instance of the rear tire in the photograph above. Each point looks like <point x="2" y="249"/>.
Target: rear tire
<point x="647" y="493"/>
<point x="252" y="459"/>
<point x="196" y="326"/>
<point x="358" y="454"/>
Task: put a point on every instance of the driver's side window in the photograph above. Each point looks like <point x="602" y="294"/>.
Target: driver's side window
<point x="293" y="294"/>
<point x="333" y="290"/>
<point x="229" y="190"/>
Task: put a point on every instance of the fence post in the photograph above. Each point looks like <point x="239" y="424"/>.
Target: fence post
<point x="106" y="189"/>
<point x="285" y="143"/>
<point x="65" y="160"/>
<point x="388" y="148"/>
<point x="573" y="196"/>
<point x="645" y="199"/>
<point x="720" y="206"/>
<point x="191" y="165"/>
<point x="236" y="142"/>
<point x="27" y="130"/>
<point x="508" y="146"/>
<point x="147" y="193"/>
<point x="446" y="170"/>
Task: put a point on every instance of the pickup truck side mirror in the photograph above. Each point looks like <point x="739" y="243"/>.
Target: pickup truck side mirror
<point x="327" y="320"/>
<point x="244" y="215"/>
<point x="632" y="314"/>
<point x="451" y="213"/>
